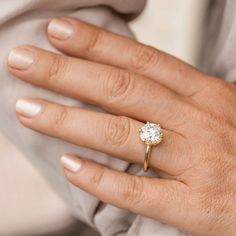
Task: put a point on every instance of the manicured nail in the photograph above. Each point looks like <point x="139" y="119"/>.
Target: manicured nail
<point x="71" y="163"/>
<point x="20" y="58"/>
<point x="28" y="108"/>
<point x="60" y="29"/>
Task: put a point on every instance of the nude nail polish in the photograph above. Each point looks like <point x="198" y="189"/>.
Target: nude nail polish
<point x="20" y="58"/>
<point x="28" y="108"/>
<point x="60" y="29"/>
<point x="71" y="163"/>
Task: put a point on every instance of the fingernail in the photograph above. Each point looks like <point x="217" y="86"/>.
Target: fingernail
<point x="20" y="58"/>
<point x="71" y="163"/>
<point x="28" y="108"/>
<point x="60" y="29"/>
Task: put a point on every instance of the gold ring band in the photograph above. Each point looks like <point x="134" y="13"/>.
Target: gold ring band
<point x="147" y="157"/>
<point x="151" y="134"/>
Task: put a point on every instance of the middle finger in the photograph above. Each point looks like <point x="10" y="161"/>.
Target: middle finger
<point x="116" y="90"/>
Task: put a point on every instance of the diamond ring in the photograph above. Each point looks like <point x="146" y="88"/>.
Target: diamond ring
<point x="151" y="134"/>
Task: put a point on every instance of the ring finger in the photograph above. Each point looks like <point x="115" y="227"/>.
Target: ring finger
<point x="115" y="135"/>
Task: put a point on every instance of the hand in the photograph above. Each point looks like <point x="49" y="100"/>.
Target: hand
<point x="137" y="83"/>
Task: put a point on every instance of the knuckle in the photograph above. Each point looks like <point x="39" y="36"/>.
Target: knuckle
<point x="97" y="176"/>
<point x="219" y="84"/>
<point x="212" y="204"/>
<point x="208" y="120"/>
<point x="61" y="117"/>
<point x="57" y="68"/>
<point x="214" y="195"/>
<point x="226" y="89"/>
<point x="216" y="87"/>
<point x="117" y="84"/>
<point x="133" y="191"/>
<point x="117" y="131"/>
<point x="144" y="57"/>
<point x="94" y="40"/>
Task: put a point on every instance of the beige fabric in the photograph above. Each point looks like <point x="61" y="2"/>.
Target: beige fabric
<point x="219" y="57"/>
<point x="29" y="206"/>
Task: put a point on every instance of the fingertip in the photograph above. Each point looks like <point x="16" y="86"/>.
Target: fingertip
<point x="60" y="29"/>
<point x="71" y="164"/>
<point x="28" y="107"/>
<point x="20" y="58"/>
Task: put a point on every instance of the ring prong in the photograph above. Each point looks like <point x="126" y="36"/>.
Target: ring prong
<point x="151" y="134"/>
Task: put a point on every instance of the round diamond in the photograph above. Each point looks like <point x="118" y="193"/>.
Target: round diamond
<point x="151" y="134"/>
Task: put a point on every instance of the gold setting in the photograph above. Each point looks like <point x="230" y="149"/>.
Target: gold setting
<point x="149" y="144"/>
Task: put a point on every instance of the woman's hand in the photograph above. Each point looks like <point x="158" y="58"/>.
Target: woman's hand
<point x="137" y="83"/>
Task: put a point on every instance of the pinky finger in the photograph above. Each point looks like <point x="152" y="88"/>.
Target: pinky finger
<point x="160" y="199"/>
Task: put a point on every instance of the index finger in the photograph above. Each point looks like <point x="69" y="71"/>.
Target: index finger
<point x="79" y="39"/>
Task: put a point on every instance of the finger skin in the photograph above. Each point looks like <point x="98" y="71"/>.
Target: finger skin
<point x="99" y="45"/>
<point x="132" y="192"/>
<point x="115" y="90"/>
<point x="115" y="135"/>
